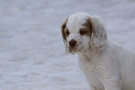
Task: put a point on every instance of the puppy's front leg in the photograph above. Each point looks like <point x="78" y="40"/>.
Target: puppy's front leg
<point x="112" y="85"/>
<point x="92" y="87"/>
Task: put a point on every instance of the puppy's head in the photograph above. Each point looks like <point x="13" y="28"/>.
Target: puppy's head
<point x="81" y="32"/>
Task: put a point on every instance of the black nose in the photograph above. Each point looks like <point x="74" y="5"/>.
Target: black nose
<point x="72" y="43"/>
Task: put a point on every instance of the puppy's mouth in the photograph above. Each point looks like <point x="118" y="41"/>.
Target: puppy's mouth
<point x="74" y="49"/>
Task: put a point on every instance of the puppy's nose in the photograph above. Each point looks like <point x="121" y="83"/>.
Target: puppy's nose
<point x="72" y="43"/>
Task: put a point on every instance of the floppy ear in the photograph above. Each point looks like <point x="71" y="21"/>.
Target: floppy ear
<point x="98" y="35"/>
<point x="63" y="26"/>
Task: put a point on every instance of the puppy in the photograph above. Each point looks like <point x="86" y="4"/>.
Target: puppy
<point x="106" y="64"/>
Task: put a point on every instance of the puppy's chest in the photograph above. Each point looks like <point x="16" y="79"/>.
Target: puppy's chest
<point x="91" y="74"/>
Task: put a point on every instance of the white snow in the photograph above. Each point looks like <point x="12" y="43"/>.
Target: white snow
<point x="32" y="53"/>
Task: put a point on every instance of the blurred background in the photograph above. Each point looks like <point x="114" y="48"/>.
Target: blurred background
<point x="32" y="53"/>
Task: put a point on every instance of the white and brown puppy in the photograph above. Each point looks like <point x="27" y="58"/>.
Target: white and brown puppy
<point x="106" y="64"/>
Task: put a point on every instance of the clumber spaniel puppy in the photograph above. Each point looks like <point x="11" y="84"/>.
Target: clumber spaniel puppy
<point x="106" y="64"/>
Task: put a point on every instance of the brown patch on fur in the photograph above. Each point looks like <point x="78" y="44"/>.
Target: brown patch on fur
<point x="85" y="31"/>
<point x="92" y="26"/>
<point x="63" y="29"/>
<point x="66" y="32"/>
<point x="88" y="28"/>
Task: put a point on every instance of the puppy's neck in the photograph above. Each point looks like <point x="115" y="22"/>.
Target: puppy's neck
<point x="90" y="54"/>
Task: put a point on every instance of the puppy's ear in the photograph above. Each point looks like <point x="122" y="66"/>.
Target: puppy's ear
<point x="92" y="29"/>
<point x="98" y="35"/>
<point x="63" y="26"/>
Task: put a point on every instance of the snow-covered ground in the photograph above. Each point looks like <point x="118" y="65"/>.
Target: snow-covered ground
<point x="32" y="53"/>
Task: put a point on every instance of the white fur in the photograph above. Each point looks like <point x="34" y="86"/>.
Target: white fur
<point x="106" y="64"/>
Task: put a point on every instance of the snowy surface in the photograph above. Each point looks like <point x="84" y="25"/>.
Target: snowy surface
<point x="32" y="53"/>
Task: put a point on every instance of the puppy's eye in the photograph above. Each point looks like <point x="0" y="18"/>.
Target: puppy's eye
<point x="67" y="32"/>
<point x="82" y="32"/>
